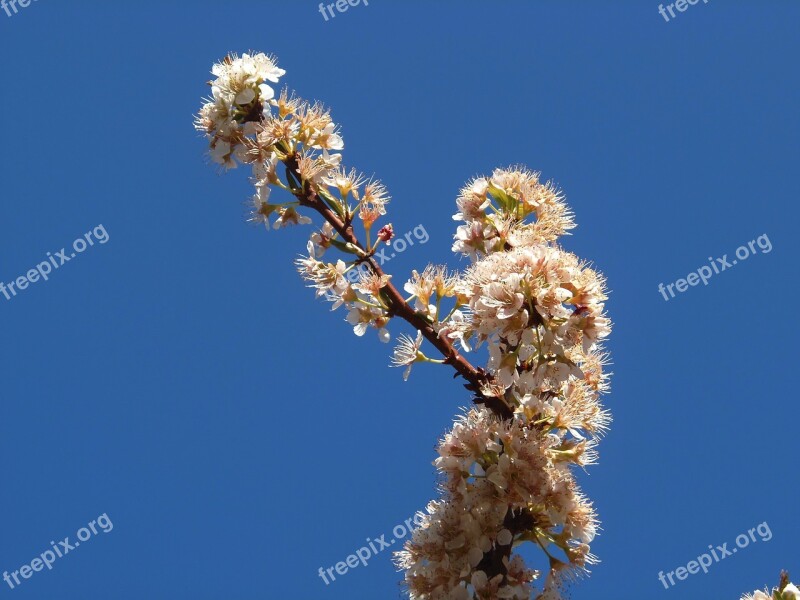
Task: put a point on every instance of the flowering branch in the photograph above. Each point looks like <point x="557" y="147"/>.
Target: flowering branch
<point x="397" y="306"/>
<point x="505" y="466"/>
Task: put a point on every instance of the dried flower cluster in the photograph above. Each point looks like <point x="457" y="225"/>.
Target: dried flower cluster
<point x="535" y="310"/>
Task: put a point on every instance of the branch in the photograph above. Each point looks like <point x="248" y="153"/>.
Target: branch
<point x="475" y="377"/>
<point x="495" y="560"/>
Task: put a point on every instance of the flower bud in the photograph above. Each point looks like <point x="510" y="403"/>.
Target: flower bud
<point x="386" y="233"/>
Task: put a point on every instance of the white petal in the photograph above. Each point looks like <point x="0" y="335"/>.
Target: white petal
<point x="335" y="142"/>
<point x="267" y="93"/>
<point x="245" y="96"/>
<point x="263" y="192"/>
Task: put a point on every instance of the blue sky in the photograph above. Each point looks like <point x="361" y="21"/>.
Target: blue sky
<point x="181" y="380"/>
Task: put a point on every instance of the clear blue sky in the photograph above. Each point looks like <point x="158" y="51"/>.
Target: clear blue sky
<point x="182" y="380"/>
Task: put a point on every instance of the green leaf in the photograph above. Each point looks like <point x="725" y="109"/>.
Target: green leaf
<point x="507" y="203"/>
<point x="346" y="247"/>
<point x="332" y="202"/>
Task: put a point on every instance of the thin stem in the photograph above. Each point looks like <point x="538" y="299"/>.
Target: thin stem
<point x="451" y="313"/>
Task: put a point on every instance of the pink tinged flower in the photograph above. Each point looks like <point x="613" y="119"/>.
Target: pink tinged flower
<point x="372" y="284"/>
<point x="368" y="213"/>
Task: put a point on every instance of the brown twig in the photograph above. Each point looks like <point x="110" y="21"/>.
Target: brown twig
<point x="494" y="561"/>
<point x="397" y="306"/>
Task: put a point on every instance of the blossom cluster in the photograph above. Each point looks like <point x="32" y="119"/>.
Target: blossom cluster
<point x="240" y="99"/>
<point x="247" y="124"/>
<point x="495" y="211"/>
<point x="363" y="299"/>
<point x="540" y="312"/>
<point x="504" y="483"/>
<point x="536" y="310"/>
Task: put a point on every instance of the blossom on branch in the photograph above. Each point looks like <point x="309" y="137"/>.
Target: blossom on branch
<point x="506" y="467"/>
